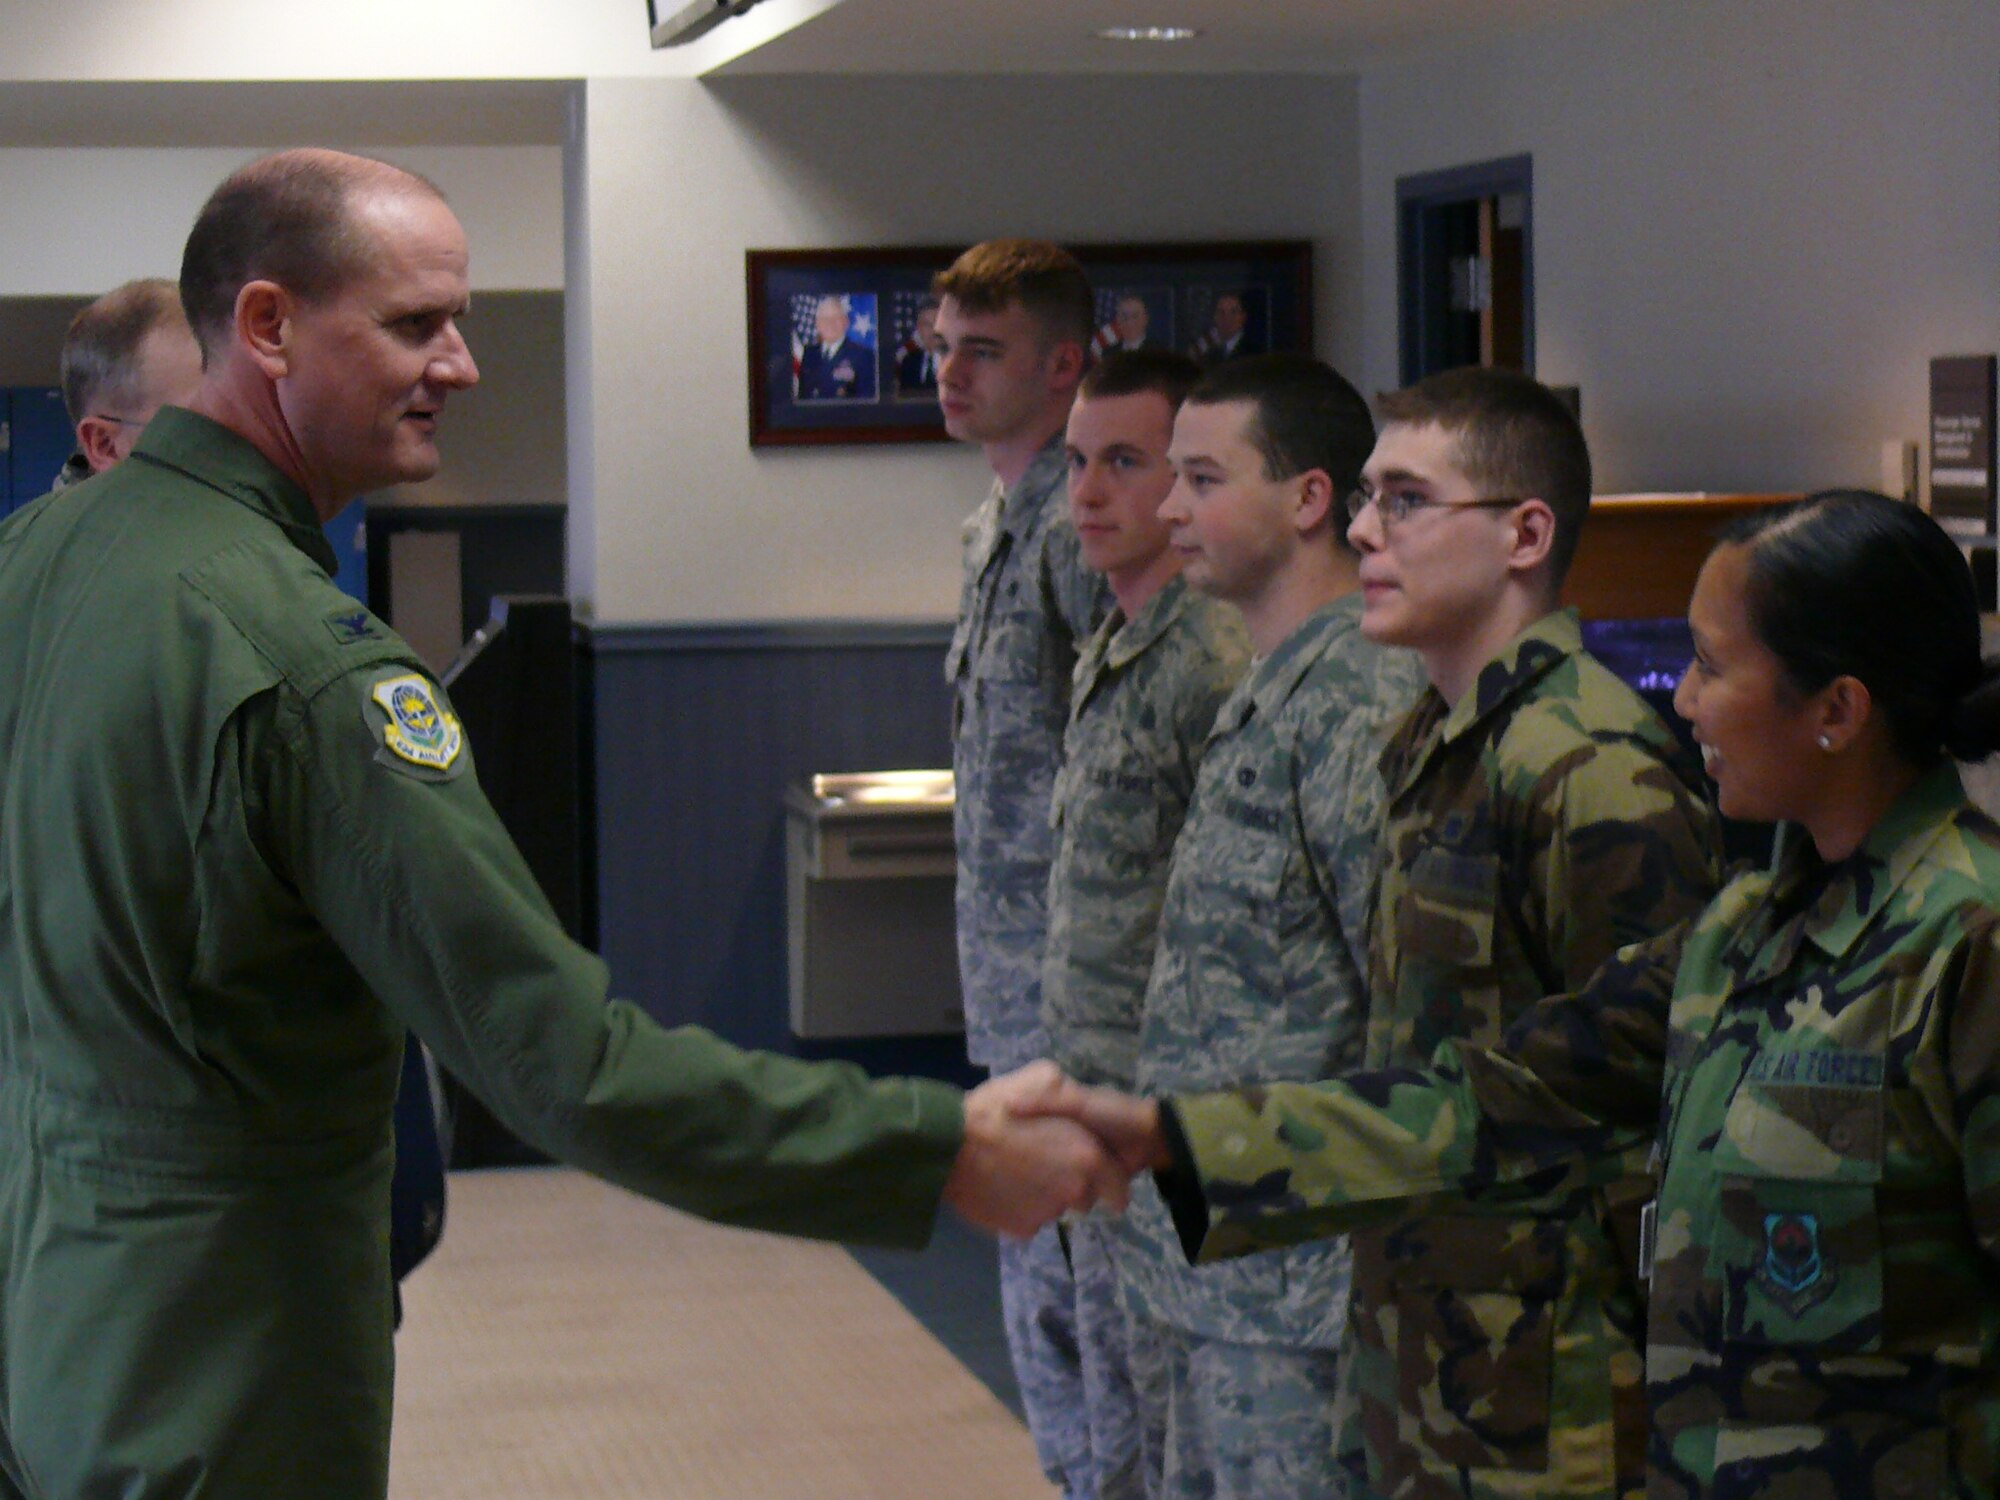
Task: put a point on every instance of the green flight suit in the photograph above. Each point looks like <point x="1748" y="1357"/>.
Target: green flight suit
<point x="241" y="849"/>
<point x="1825" y="1294"/>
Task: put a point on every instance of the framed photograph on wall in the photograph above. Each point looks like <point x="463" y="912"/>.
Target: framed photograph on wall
<point x="840" y="339"/>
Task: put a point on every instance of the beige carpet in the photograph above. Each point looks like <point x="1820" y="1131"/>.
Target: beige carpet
<point x="571" y="1342"/>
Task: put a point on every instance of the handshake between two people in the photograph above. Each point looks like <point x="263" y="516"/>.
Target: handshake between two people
<point x="1039" y="1145"/>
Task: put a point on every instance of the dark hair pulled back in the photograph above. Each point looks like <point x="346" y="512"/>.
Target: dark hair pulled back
<point x="1852" y="583"/>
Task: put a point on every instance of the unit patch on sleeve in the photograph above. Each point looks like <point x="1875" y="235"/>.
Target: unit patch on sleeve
<point x="414" y="727"/>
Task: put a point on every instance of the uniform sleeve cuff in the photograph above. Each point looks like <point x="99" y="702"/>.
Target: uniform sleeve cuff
<point x="1180" y="1185"/>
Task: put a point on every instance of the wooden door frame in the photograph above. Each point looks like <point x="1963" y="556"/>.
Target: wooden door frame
<point x="1416" y="197"/>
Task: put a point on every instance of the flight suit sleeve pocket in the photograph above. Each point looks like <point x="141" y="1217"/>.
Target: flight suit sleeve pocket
<point x="1798" y="1239"/>
<point x="1475" y="1341"/>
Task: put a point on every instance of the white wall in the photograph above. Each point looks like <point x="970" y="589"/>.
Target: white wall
<point x="78" y="220"/>
<point x="1755" y="221"/>
<point x="674" y="517"/>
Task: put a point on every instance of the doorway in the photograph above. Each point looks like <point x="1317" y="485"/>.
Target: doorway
<point x="1465" y="268"/>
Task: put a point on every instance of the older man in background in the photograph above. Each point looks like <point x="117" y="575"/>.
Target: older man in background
<point x="125" y="356"/>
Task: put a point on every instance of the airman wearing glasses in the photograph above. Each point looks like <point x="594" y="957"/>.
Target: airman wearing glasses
<point x="1540" y="816"/>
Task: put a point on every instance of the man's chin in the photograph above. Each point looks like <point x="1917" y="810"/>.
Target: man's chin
<point x="404" y="471"/>
<point x="1202" y="581"/>
<point x="418" y="462"/>
<point x="1379" y="625"/>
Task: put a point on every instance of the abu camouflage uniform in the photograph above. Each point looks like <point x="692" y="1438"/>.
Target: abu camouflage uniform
<point x="1540" y="823"/>
<point x="1028" y="599"/>
<point x="1143" y="700"/>
<point x="1144" y="695"/>
<point x="1259" y="975"/>
<point x="1824" y="1311"/>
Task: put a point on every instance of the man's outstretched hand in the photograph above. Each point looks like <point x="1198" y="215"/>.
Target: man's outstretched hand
<point x="1023" y="1165"/>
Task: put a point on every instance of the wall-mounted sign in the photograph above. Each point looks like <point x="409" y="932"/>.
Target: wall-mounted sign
<point x="1963" y="476"/>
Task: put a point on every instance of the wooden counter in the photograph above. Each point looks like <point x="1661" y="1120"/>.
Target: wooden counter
<point x="1640" y="553"/>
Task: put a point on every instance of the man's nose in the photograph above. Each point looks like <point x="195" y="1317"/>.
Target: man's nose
<point x="454" y="364"/>
<point x="1364" y="532"/>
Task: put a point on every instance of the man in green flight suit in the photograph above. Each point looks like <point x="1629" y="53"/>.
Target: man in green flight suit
<point x="242" y="847"/>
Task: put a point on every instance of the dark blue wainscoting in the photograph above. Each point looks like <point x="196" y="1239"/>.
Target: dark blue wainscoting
<point x="692" y="735"/>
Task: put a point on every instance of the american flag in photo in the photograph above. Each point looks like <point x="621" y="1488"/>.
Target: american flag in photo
<point x="903" y="308"/>
<point x="1106" y="336"/>
<point x="805" y="305"/>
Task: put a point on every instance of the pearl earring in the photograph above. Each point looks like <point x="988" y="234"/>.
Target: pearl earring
<point x="1826" y="742"/>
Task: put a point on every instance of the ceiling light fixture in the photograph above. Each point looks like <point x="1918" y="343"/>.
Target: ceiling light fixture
<point x="1149" y="33"/>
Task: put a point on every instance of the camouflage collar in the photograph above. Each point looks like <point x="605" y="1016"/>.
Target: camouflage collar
<point x="1857" y="888"/>
<point x="1522" y="662"/>
<point x="1023" y="506"/>
<point x="211" y="454"/>
<point x="1272" y="680"/>
<point x="1130" y="639"/>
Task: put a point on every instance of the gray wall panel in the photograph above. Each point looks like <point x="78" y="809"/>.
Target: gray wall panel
<point x="694" y="735"/>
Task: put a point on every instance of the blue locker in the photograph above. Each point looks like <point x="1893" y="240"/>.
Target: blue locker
<point x="348" y="532"/>
<point x="40" y="441"/>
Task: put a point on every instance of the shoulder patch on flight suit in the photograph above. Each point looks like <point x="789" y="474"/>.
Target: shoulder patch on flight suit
<point x="413" y="727"/>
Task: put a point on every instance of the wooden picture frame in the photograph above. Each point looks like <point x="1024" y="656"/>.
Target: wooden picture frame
<point x="836" y="356"/>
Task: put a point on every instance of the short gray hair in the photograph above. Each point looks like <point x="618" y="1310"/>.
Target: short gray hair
<point x="100" y="353"/>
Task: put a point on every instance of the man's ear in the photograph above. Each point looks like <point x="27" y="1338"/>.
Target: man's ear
<point x="1534" y="537"/>
<point x="1314" y="506"/>
<point x="264" y="326"/>
<point x="1065" y="363"/>
<point x="97" y="441"/>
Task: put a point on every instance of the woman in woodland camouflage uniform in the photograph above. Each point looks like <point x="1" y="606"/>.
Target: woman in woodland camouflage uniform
<point x="1818" y="1052"/>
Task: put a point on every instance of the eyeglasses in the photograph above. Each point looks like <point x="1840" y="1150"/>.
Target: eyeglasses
<point x="1398" y="505"/>
<point x="105" y="416"/>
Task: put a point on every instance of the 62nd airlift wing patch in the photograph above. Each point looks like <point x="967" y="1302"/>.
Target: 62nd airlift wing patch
<point x="417" y="728"/>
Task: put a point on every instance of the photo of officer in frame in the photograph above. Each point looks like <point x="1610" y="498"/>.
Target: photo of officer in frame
<point x="1131" y="318"/>
<point x="834" y="347"/>
<point x="841" y="349"/>
<point x="1234" y="322"/>
<point x="912" y="327"/>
